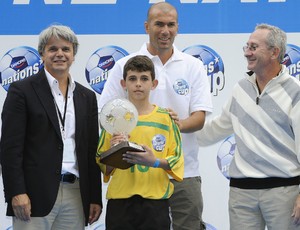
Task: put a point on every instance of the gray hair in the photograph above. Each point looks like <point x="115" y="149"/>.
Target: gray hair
<point x="57" y="31"/>
<point x="276" y="38"/>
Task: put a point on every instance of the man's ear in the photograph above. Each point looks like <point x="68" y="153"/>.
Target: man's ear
<point x="154" y="83"/>
<point x="276" y="52"/>
<point x="146" y="26"/>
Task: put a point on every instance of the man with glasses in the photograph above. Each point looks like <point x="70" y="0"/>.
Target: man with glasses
<point x="263" y="113"/>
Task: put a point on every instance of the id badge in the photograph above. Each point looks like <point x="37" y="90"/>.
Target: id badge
<point x="69" y="151"/>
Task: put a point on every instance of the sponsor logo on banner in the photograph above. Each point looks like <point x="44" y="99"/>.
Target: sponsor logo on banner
<point x="225" y="155"/>
<point x="292" y="60"/>
<point x="213" y="64"/>
<point x="100" y="63"/>
<point x="18" y="64"/>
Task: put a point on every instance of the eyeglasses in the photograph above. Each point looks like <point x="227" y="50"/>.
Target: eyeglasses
<point x="251" y="48"/>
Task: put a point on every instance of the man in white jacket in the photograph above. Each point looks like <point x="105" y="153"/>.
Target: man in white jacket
<point x="264" y="115"/>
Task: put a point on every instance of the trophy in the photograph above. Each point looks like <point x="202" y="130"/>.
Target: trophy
<point x="119" y="116"/>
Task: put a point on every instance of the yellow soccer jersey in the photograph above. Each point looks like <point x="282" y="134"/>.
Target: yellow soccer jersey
<point x="159" y="132"/>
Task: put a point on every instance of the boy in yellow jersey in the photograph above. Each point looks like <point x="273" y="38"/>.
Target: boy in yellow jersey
<point x="138" y="196"/>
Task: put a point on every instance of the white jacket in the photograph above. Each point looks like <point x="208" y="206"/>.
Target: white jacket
<point x="266" y="127"/>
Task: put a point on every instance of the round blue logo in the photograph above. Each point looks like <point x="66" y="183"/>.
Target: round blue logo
<point x="17" y="64"/>
<point x="209" y="227"/>
<point x="292" y="60"/>
<point x="100" y="63"/>
<point x="213" y="64"/>
<point x="158" y="142"/>
<point x="225" y="155"/>
<point x="181" y="87"/>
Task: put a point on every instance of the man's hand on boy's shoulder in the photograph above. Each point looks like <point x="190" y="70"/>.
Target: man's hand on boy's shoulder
<point x="175" y="117"/>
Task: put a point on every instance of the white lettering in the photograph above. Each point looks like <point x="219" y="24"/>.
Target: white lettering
<point x="210" y="1"/>
<point x="225" y="168"/>
<point x="210" y="67"/>
<point x="19" y="75"/>
<point x="85" y="2"/>
<point x="268" y="1"/>
<point x="294" y="68"/>
<point x="155" y="1"/>
<point x="27" y="2"/>
<point x="217" y="81"/>
<point x="59" y="2"/>
<point x="100" y="78"/>
<point x="53" y="1"/>
<point x="93" y="1"/>
<point x="188" y="1"/>
<point x="17" y="2"/>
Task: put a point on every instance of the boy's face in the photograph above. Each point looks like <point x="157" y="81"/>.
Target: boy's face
<point x="138" y="84"/>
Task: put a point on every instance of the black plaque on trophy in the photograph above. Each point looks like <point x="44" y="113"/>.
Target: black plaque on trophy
<point x="114" y="156"/>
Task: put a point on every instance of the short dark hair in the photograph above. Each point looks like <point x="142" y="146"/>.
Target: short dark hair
<point x="139" y="63"/>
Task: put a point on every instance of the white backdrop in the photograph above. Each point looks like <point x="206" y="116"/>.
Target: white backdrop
<point x="215" y="185"/>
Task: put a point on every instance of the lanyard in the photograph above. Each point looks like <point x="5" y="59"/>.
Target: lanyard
<point x="63" y="118"/>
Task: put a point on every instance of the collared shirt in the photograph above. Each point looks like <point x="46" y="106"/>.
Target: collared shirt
<point x="69" y="163"/>
<point x="182" y="85"/>
<point x="163" y="137"/>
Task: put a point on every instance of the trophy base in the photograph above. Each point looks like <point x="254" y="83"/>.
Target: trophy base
<point x="114" y="156"/>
